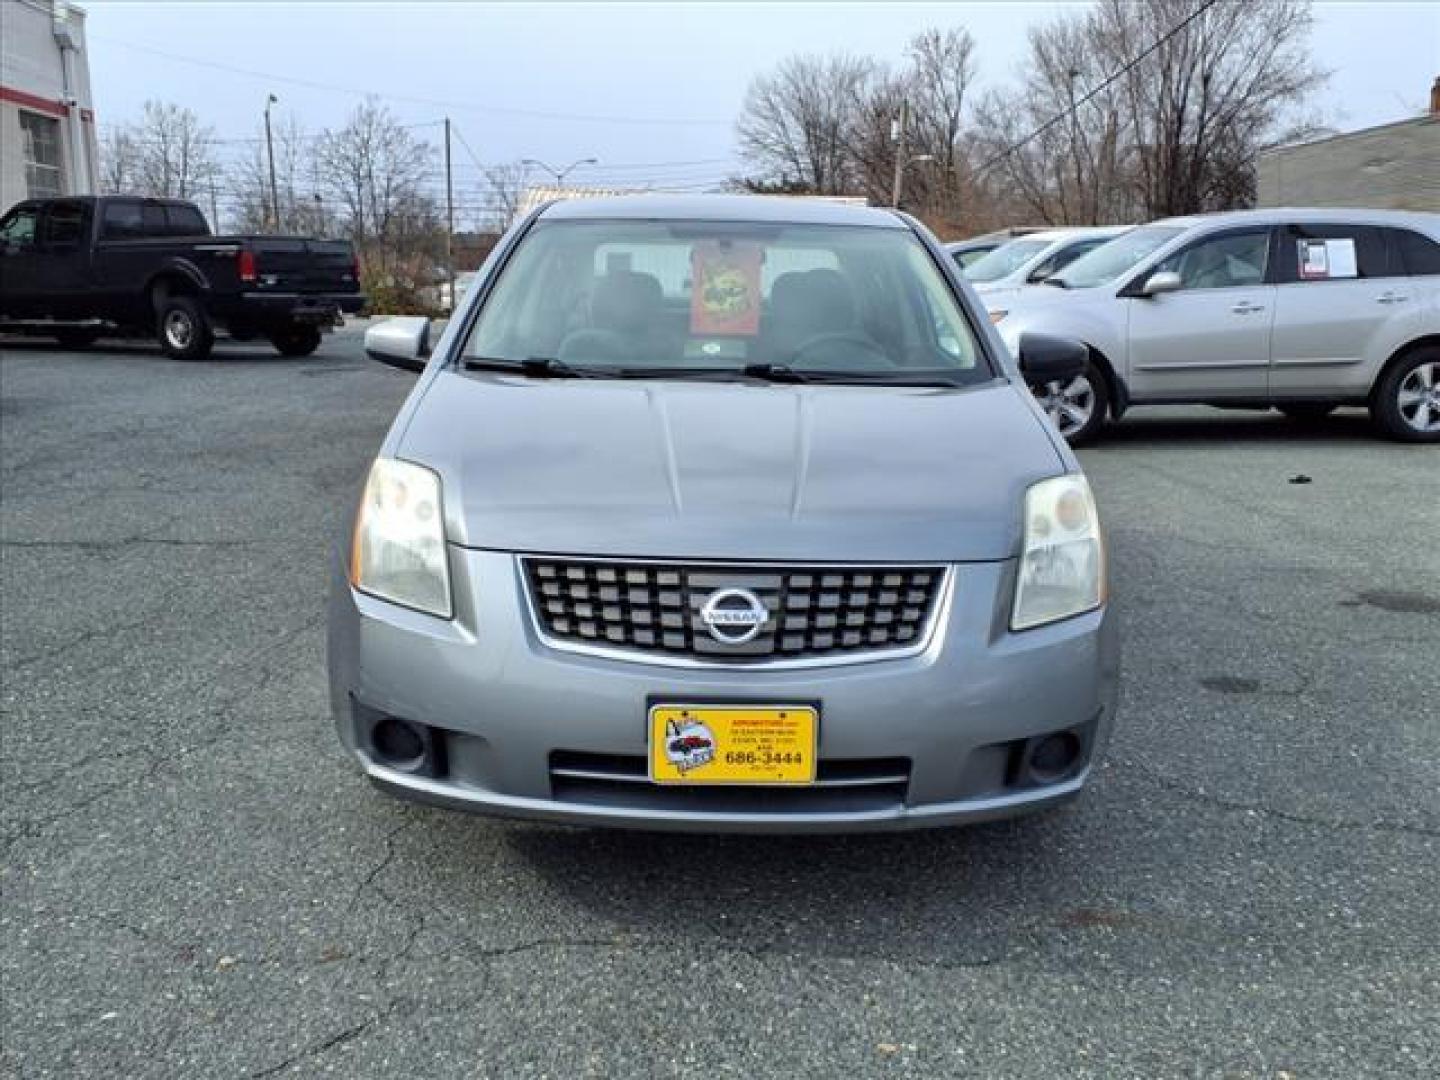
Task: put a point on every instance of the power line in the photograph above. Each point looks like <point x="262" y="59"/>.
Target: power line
<point x="439" y="103"/>
<point x="1121" y="72"/>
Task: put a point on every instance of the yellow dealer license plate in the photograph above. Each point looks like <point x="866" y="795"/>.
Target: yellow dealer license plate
<point x="733" y="744"/>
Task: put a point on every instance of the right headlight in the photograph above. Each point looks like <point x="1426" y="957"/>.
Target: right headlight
<point x="1062" y="561"/>
<point x="398" y="551"/>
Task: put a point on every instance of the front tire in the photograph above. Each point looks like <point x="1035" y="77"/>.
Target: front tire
<point x="184" y="329"/>
<point x="1406" y="403"/>
<point x="296" y="340"/>
<point x="1077" y="408"/>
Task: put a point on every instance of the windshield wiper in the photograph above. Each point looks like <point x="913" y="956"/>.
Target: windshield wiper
<point x="534" y="367"/>
<point x="779" y="373"/>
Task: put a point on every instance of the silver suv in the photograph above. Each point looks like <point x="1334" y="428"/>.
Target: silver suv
<point x="723" y="513"/>
<point x="1300" y="310"/>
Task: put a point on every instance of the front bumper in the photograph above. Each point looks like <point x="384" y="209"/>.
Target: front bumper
<point x="507" y="708"/>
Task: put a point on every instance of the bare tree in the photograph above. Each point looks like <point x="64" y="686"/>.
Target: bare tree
<point x="504" y="189"/>
<point x="177" y="152"/>
<point x="301" y="208"/>
<point x="374" y="172"/>
<point x="941" y="75"/>
<point x="797" y="121"/>
<point x="1210" y="96"/>
<point x="120" y="154"/>
<point x="1145" y="110"/>
<point x="1060" y="144"/>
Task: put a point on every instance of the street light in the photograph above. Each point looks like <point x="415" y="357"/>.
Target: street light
<point x="560" y="174"/>
<point x="270" y="152"/>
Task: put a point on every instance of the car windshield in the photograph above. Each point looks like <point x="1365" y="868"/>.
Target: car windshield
<point x="1109" y="261"/>
<point x="1005" y="260"/>
<point x="696" y="299"/>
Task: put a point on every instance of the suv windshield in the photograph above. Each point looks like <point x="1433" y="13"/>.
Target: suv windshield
<point x="1106" y="263"/>
<point x="1005" y="260"/>
<point x="717" y="299"/>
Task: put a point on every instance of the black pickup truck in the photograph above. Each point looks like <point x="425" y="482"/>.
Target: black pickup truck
<point x="77" y="268"/>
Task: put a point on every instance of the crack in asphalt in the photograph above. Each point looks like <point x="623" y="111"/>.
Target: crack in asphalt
<point x="1178" y="787"/>
<point x="328" y="1044"/>
<point x="264" y="677"/>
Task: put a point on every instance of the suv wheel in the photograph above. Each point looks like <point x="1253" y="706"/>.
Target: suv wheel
<point x="184" y="328"/>
<point x="1076" y="408"/>
<point x="296" y="340"/>
<point x="1407" y="398"/>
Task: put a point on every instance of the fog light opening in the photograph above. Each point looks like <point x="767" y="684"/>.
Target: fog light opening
<point x="1054" y="756"/>
<point x="397" y="742"/>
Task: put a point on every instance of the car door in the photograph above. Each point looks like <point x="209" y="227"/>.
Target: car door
<point x="1210" y="339"/>
<point x="19" y="258"/>
<point x="1337" y="285"/>
<point x="64" y="264"/>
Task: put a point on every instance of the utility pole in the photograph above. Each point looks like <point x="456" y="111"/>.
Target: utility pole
<point x="214" y="207"/>
<point x="270" y="151"/>
<point x="449" y="218"/>
<point x="897" y="136"/>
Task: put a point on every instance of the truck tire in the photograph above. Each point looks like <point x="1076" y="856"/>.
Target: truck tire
<point x="296" y="340"/>
<point x="184" y="329"/>
<point x="1406" y="401"/>
<point x="76" y="338"/>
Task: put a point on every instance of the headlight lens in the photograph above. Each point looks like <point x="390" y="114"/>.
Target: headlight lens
<point x="398" y="551"/>
<point x="1062" y="563"/>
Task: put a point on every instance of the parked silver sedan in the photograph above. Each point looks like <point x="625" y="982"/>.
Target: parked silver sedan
<point x="723" y="514"/>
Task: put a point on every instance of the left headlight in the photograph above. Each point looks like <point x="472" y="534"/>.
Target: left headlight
<point x="1062" y="562"/>
<point x="398" y="550"/>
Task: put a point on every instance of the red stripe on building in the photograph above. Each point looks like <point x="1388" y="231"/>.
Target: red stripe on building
<point x="39" y="104"/>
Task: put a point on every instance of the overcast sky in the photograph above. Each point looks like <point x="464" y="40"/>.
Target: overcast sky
<point x="632" y="85"/>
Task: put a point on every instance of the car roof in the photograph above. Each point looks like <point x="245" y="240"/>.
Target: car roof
<point x="768" y="209"/>
<point x="1282" y="214"/>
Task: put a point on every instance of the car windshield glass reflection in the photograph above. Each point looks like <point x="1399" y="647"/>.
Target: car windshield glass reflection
<point x="1106" y="263"/>
<point x="709" y="299"/>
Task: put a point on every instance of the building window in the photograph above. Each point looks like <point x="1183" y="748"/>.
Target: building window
<point x="40" y="136"/>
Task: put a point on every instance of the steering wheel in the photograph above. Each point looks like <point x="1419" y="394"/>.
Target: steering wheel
<point x="858" y="341"/>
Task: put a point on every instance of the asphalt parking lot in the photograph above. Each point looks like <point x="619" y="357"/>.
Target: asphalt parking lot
<point x="196" y="882"/>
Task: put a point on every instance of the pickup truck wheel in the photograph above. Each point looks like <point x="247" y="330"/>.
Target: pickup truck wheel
<point x="296" y="340"/>
<point x="1406" y="403"/>
<point x="76" y="339"/>
<point x="184" y="328"/>
<point x="1077" y="407"/>
<point x="1307" y="412"/>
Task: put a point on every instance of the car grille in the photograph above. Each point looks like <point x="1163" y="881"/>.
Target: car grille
<point x="657" y="609"/>
<point x="617" y="780"/>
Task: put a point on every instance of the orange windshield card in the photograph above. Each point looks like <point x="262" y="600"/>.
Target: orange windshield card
<point x="725" y="294"/>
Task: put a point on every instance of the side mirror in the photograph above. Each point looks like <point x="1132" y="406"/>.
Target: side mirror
<point x="401" y="342"/>
<point x="1045" y="359"/>
<point x="1162" y="281"/>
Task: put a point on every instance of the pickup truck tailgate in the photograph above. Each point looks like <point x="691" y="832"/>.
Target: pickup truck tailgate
<point x="304" y="266"/>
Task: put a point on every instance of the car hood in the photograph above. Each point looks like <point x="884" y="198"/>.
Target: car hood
<point x="730" y="471"/>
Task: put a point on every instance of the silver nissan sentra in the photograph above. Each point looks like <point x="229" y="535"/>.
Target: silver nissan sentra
<point x="729" y="514"/>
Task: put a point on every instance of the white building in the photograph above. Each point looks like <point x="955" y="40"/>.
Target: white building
<point x="47" y="119"/>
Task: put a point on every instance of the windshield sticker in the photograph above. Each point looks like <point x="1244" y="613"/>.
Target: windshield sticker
<point x="1323" y="259"/>
<point x="725" y="298"/>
